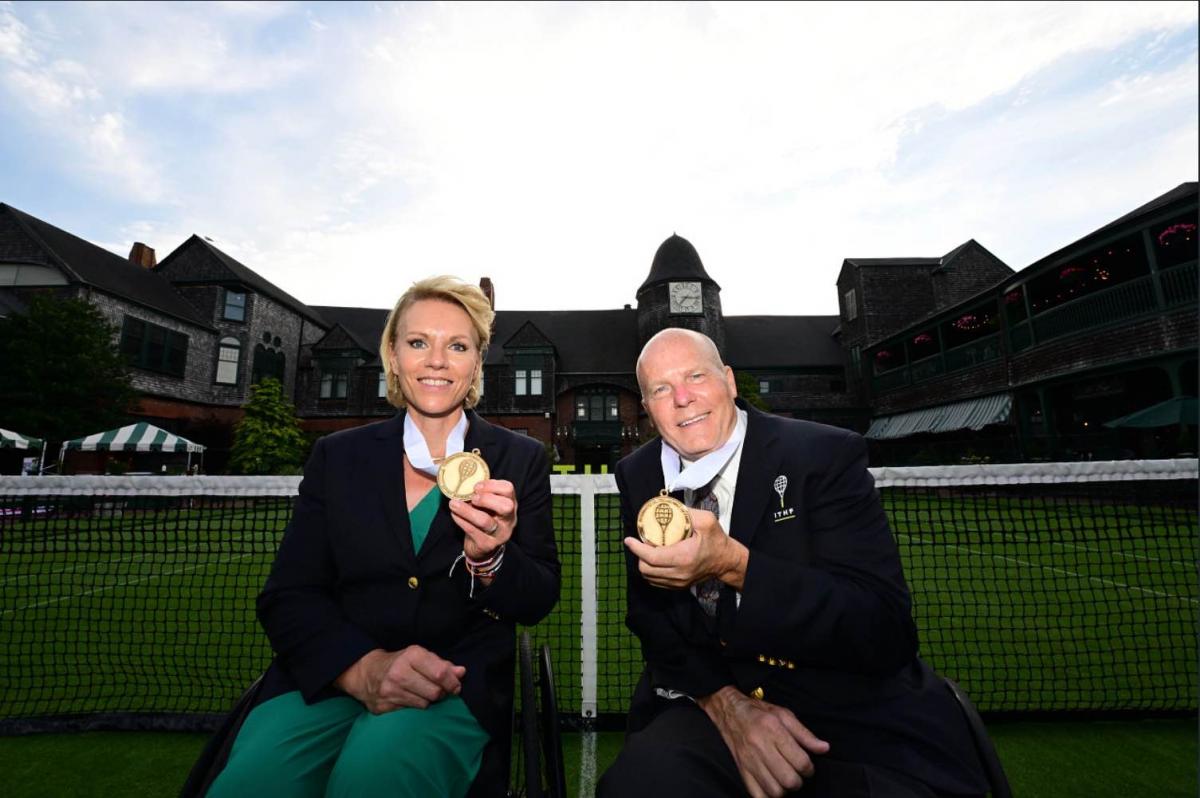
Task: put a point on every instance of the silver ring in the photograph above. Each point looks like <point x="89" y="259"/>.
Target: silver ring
<point x="495" y="528"/>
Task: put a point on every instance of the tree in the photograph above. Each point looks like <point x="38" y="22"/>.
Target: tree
<point x="747" y="388"/>
<point x="268" y="439"/>
<point x="61" y="374"/>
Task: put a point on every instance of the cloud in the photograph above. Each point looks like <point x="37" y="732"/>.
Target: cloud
<point x="555" y="146"/>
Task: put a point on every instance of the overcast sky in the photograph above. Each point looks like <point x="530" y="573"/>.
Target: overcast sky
<point x="345" y="150"/>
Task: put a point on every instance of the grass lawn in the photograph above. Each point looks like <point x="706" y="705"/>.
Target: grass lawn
<point x="1054" y="759"/>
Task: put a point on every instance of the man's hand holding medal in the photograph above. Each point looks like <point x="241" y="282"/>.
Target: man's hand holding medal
<point x="704" y="551"/>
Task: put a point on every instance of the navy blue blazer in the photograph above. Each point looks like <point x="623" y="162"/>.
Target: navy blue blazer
<point x="346" y="579"/>
<point x="824" y="627"/>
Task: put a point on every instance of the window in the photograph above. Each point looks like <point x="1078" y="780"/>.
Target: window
<point x="851" y="305"/>
<point x="153" y="348"/>
<point x="529" y="382"/>
<point x="229" y="353"/>
<point x="235" y="306"/>
<point x="334" y="384"/>
<point x="764" y="386"/>
<point x="597" y="407"/>
<point x="267" y="363"/>
<point x="381" y="392"/>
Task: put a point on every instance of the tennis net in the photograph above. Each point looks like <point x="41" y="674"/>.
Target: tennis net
<point x="129" y="601"/>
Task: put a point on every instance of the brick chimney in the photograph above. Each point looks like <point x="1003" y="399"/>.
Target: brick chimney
<point x="485" y="285"/>
<point x="142" y="255"/>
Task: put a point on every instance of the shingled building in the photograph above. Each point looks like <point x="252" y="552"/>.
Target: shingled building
<point x="933" y="358"/>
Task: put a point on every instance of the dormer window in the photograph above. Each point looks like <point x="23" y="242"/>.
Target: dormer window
<point x="235" y="306"/>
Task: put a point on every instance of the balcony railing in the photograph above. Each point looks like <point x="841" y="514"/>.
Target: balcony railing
<point x="979" y="351"/>
<point x="1134" y="298"/>
<point x="1179" y="284"/>
<point x="927" y="369"/>
<point x="890" y="380"/>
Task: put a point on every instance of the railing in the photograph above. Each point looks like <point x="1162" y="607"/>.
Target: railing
<point x="928" y="368"/>
<point x="1133" y="298"/>
<point x="1020" y="336"/>
<point x="1179" y="284"/>
<point x="890" y="380"/>
<point x="974" y="353"/>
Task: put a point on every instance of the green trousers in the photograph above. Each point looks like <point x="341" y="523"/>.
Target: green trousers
<point x="336" y="748"/>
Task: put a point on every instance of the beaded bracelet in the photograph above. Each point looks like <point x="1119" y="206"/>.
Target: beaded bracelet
<point x="480" y="569"/>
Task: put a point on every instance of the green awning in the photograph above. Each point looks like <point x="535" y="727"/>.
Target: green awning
<point x="141" y="437"/>
<point x="1178" y="410"/>
<point x="16" y="440"/>
<point x="972" y="414"/>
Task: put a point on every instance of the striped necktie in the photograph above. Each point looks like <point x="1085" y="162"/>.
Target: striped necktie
<point x="708" y="591"/>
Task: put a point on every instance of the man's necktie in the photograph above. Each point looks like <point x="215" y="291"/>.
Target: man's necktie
<point x="708" y="591"/>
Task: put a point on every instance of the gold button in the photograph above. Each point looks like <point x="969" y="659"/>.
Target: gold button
<point x="791" y="665"/>
<point x="413" y="582"/>
<point x="771" y="661"/>
<point x="757" y="693"/>
<point x="762" y="658"/>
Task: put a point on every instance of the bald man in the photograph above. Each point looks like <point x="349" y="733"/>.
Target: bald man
<point x="780" y="648"/>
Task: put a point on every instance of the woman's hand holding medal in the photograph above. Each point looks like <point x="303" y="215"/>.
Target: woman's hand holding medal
<point x="487" y="517"/>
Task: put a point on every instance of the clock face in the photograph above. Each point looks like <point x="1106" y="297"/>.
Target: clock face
<point x="686" y="298"/>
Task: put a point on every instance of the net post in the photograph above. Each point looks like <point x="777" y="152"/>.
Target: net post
<point x="587" y="604"/>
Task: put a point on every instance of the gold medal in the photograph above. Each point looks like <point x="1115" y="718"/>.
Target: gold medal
<point x="460" y="473"/>
<point x="663" y="521"/>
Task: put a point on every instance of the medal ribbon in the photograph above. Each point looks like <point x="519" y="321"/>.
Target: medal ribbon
<point x="701" y="472"/>
<point x="418" y="451"/>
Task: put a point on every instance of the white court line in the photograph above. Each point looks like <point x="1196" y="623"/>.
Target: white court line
<point x="1099" y="579"/>
<point x="144" y="555"/>
<point x="122" y="584"/>
<point x="1028" y="538"/>
<point x="587" y="763"/>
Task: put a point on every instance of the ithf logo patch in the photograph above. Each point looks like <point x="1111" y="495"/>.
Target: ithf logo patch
<point x="783" y="513"/>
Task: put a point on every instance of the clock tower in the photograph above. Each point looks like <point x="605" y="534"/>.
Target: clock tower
<point x="679" y="293"/>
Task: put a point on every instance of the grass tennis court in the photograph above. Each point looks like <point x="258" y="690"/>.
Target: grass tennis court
<point x="1037" y="601"/>
<point x="1047" y="759"/>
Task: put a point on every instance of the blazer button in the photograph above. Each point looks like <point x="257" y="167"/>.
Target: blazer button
<point x="771" y="661"/>
<point x="762" y="658"/>
<point x="413" y="582"/>
<point x="757" y="693"/>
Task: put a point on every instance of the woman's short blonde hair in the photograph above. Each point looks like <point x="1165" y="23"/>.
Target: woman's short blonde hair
<point x="445" y="289"/>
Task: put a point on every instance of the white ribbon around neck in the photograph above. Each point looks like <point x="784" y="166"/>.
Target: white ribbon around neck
<point x="418" y="451"/>
<point x="701" y="472"/>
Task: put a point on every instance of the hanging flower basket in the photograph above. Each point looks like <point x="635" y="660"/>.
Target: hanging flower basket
<point x="1176" y="233"/>
<point x="1072" y="274"/>
<point x="968" y="321"/>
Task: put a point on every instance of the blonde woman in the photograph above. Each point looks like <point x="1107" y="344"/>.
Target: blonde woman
<point x="391" y="609"/>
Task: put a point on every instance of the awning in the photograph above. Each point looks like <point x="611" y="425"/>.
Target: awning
<point x="15" y="440"/>
<point x="968" y="414"/>
<point x="140" y="437"/>
<point x="1178" y="410"/>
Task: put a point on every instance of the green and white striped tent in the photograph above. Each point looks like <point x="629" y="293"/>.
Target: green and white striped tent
<point x="15" y="440"/>
<point x="140" y="437"/>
